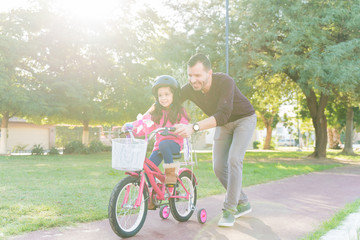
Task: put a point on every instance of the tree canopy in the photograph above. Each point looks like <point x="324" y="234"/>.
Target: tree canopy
<point x="56" y="67"/>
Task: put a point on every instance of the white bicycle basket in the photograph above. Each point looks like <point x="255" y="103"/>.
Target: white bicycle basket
<point x="128" y="154"/>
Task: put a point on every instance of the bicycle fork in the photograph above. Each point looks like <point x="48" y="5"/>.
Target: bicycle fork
<point x="139" y="197"/>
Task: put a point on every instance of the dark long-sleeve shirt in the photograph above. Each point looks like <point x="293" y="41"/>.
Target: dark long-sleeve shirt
<point x="224" y="100"/>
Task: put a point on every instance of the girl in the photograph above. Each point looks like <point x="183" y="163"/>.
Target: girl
<point x="166" y="112"/>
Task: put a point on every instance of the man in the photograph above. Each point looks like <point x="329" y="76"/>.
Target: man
<point x="217" y="95"/>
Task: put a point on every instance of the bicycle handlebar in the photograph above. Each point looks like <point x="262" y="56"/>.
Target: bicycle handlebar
<point x="164" y="131"/>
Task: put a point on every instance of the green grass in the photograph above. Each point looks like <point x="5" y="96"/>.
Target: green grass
<point x="47" y="191"/>
<point x="335" y="221"/>
<point x="336" y="154"/>
<point x="39" y="192"/>
<point x="265" y="155"/>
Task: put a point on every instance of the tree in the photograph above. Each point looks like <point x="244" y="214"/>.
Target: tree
<point x="341" y="61"/>
<point x="199" y="26"/>
<point x="297" y="39"/>
<point x="21" y="93"/>
<point x="348" y="71"/>
<point x="78" y="72"/>
<point x="204" y="30"/>
<point x="267" y="101"/>
<point x="336" y="110"/>
<point x="95" y="72"/>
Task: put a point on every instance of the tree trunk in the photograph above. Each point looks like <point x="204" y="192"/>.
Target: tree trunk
<point x="334" y="138"/>
<point x="337" y="138"/>
<point x="348" y="149"/>
<point x="319" y="121"/>
<point x="268" y="125"/>
<point x="4" y="133"/>
<point x="331" y="138"/>
<point x="85" y="136"/>
<point x="268" y="137"/>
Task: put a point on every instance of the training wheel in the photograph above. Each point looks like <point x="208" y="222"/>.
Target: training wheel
<point x="164" y="212"/>
<point x="202" y="215"/>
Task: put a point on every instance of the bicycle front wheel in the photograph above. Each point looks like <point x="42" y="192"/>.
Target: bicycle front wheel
<point x="182" y="208"/>
<point x="125" y="218"/>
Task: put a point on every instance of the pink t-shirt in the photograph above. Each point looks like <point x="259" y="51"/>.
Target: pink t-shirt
<point x="158" y="138"/>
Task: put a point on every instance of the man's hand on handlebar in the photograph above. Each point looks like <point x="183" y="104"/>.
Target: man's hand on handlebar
<point x="184" y="130"/>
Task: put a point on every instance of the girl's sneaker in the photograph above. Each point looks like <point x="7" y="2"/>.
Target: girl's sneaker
<point x="227" y="219"/>
<point x="242" y="209"/>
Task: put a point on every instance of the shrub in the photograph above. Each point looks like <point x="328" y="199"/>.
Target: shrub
<point x="53" y="151"/>
<point x="75" y="147"/>
<point x="256" y="144"/>
<point x="107" y="148"/>
<point x="37" y="150"/>
<point x="19" y="148"/>
<point x="85" y="150"/>
<point x="96" y="146"/>
<point x="66" y="134"/>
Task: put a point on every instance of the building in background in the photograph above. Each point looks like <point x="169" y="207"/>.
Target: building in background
<point x="22" y="136"/>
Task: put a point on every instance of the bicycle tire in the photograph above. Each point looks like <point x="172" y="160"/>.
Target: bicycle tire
<point x="125" y="220"/>
<point x="181" y="208"/>
<point x="164" y="212"/>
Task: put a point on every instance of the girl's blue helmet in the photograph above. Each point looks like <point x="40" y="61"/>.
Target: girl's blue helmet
<point x="165" y="81"/>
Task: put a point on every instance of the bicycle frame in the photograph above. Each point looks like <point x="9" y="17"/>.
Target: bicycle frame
<point x="152" y="171"/>
<point x="156" y="173"/>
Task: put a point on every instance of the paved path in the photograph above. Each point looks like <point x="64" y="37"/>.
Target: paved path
<point x="285" y="209"/>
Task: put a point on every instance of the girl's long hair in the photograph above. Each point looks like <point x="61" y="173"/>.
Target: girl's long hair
<point x="176" y="111"/>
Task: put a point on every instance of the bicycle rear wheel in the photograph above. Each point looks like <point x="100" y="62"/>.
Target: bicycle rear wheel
<point x="126" y="220"/>
<point x="182" y="208"/>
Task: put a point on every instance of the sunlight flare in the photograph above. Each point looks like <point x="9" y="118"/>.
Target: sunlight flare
<point x="88" y="9"/>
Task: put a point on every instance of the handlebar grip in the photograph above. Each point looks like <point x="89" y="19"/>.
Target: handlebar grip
<point x="129" y="126"/>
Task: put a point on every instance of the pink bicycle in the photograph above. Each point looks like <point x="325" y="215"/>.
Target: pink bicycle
<point x="128" y="203"/>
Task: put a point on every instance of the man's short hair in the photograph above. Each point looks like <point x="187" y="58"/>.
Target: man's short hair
<point x="199" y="57"/>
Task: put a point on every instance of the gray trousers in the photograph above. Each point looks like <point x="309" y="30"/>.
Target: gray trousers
<point x="230" y="144"/>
